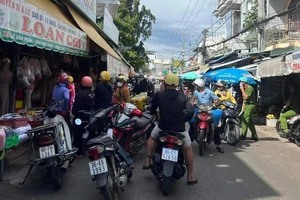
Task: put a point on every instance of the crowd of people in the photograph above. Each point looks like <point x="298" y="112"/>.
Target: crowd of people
<point x="175" y="106"/>
<point x="102" y="96"/>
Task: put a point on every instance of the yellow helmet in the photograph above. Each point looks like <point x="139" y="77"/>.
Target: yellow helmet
<point x="70" y="79"/>
<point x="104" y="76"/>
<point x="172" y="79"/>
<point x="123" y="78"/>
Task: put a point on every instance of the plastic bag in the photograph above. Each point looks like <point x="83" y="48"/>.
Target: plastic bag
<point x="29" y="70"/>
<point x="45" y="68"/>
<point x="2" y="138"/>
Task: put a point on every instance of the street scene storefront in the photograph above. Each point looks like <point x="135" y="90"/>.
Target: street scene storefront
<point x="38" y="41"/>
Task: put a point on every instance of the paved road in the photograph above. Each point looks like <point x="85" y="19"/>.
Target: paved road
<point x="268" y="169"/>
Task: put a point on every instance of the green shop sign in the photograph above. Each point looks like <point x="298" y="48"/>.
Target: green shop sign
<point x="26" y="25"/>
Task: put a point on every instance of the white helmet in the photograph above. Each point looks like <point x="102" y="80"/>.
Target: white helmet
<point x="200" y="83"/>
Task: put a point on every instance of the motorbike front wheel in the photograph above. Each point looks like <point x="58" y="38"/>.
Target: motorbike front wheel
<point x="201" y="142"/>
<point x="232" y="132"/>
<point x="166" y="186"/>
<point x="110" y="191"/>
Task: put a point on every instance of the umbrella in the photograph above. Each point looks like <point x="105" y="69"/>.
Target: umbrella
<point x="190" y="75"/>
<point x="230" y="75"/>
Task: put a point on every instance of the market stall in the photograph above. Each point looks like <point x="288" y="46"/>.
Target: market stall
<point x="34" y="48"/>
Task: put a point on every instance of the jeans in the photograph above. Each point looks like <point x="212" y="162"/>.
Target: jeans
<point x="217" y="115"/>
<point x="124" y="155"/>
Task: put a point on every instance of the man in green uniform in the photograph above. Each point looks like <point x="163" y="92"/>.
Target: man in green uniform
<point x="248" y="107"/>
<point x="294" y="103"/>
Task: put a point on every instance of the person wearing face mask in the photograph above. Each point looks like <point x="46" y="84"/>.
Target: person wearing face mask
<point x="207" y="97"/>
<point x="122" y="95"/>
<point x="223" y="94"/>
<point x="248" y="107"/>
<point x="294" y="103"/>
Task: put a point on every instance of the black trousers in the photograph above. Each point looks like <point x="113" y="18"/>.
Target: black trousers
<point x="217" y="135"/>
<point x="78" y="142"/>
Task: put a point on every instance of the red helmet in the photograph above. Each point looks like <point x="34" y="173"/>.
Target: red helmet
<point x="86" y="81"/>
<point x="63" y="78"/>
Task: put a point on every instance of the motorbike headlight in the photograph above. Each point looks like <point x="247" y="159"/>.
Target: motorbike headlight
<point x="78" y="121"/>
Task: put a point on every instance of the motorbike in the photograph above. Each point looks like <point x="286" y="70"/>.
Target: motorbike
<point x="204" y="127"/>
<point x="293" y="126"/>
<point x="229" y="123"/>
<point x="168" y="159"/>
<point x="50" y="144"/>
<point x="131" y="127"/>
<point x="107" y="164"/>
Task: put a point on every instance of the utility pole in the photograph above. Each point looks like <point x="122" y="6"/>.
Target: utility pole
<point x="172" y="62"/>
<point x="203" y="48"/>
<point x="260" y="28"/>
<point x="183" y="49"/>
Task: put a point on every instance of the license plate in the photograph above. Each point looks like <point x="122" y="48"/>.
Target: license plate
<point x="98" y="166"/>
<point x="169" y="154"/>
<point x="47" y="151"/>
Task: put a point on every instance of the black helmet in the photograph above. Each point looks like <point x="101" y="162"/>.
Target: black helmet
<point x="141" y="75"/>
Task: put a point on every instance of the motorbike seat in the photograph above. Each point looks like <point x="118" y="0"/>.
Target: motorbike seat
<point x="101" y="140"/>
<point x="173" y="133"/>
<point x="143" y="121"/>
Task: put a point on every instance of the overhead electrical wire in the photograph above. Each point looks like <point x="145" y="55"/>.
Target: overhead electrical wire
<point x="253" y="25"/>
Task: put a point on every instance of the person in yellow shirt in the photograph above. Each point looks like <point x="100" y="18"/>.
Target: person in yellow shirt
<point x="224" y="95"/>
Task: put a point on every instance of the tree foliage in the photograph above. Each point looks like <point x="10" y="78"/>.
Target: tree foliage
<point x="251" y="16"/>
<point x="135" y="25"/>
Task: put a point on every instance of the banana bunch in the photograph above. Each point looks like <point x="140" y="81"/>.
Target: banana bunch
<point x="270" y="116"/>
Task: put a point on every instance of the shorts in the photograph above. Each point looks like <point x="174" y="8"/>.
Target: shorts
<point x="186" y="140"/>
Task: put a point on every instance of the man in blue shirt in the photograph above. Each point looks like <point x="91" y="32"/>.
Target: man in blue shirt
<point x="207" y="97"/>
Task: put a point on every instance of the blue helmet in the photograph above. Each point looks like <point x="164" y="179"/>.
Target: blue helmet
<point x="207" y="82"/>
<point x="244" y="79"/>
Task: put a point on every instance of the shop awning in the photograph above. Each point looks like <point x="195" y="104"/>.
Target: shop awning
<point x="281" y="51"/>
<point x="229" y="63"/>
<point x="224" y="58"/>
<point x="250" y="68"/>
<point x="41" y="24"/>
<point x="272" y="67"/>
<point x="92" y="33"/>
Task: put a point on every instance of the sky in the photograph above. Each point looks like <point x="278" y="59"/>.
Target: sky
<point x="175" y="23"/>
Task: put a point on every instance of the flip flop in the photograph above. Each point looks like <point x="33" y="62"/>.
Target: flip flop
<point x="193" y="182"/>
<point x="220" y="149"/>
<point x="145" y="167"/>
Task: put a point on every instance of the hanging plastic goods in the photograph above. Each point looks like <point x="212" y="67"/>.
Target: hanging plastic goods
<point x="2" y="139"/>
<point x="45" y="68"/>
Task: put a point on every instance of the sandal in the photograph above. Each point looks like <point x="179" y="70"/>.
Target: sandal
<point x="220" y="149"/>
<point x="193" y="182"/>
<point x="146" y="167"/>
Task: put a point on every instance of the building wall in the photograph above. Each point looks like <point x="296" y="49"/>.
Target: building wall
<point x="274" y="7"/>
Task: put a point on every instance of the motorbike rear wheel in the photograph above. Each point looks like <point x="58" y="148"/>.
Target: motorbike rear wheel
<point x="166" y="186"/>
<point x="56" y="174"/>
<point x="201" y="142"/>
<point x="278" y="128"/>
<point x="110" y="191"/>
<point x="232" y="138"/>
